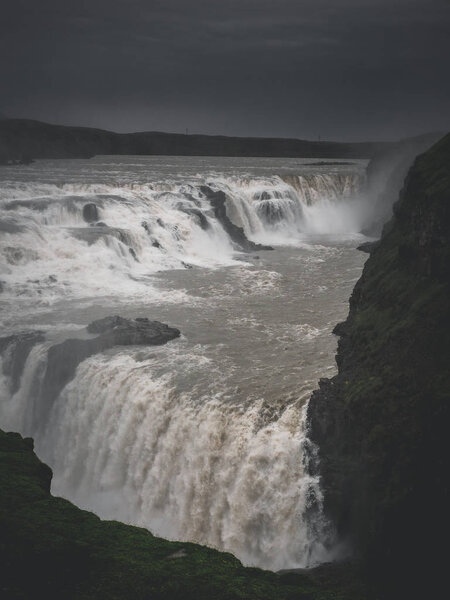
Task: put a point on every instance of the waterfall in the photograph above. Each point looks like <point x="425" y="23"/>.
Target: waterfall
<point x="134" y="231"/>
<point x="192" y="461"/>
<point x="123" y="442"/>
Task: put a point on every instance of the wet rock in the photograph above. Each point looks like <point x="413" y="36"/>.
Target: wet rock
<point x="95" y="232"/>
<point x="199" y="217"/>
<point x="125" y="332"/>
<point x="340" y="329"/>
<point x="90" y="212"/>
<point x="368" y="246"/>
<point x="237" y="235"/>
<point x="17" y="255"/>
<point x="263" y="196"/>
<point x="133" y="254"/>
<point x="148" y="229"/>
<point x="15" y="350"/>
<point x="270" y="212"/>
<point x="42" y="204"/>
<point x="64" y="358"/>
<point x="10" y="226"/>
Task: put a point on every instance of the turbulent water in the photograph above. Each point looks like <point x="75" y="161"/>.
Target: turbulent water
<point x="201" y="439"/>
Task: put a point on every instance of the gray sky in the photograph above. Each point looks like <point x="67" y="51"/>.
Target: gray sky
<point x="341" y="69"/>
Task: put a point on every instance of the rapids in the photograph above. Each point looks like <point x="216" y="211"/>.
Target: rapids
<point x="202" y="439"/>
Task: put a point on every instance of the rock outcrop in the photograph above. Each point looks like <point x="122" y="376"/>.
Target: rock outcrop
<point x="386" y="173"/>
<point x="236" y="234"/>
<point x="64" y="358"/>
<point x="198" y="216"/>
<point x="90" y="212"/>
<point x="381" y="424"/>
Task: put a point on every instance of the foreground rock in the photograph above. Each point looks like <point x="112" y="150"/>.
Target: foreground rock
<point x="64" y="358"/>
<point x="382" y="423"/>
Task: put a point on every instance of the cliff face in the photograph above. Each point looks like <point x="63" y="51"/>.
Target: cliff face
<point x="381" y="424"/>
<point x="386" y="173"/>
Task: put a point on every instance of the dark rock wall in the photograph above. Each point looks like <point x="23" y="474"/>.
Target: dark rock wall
<point x="236" y="234"/>
<point x="386" y="173"/>
<point x="382" y="423"/>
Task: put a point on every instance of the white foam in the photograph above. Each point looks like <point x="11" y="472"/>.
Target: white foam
<point x="52" y="253"/>
<point x="185" y="466"/>
<point x="188" y="464"/>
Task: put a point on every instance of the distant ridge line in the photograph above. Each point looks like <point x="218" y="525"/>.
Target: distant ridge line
<point x="35" y="139"/>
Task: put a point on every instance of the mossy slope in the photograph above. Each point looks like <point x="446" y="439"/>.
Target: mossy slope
<point x="49" y="548"/>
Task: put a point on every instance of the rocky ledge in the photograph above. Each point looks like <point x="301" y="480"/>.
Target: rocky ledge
<point x="64" y="358"/>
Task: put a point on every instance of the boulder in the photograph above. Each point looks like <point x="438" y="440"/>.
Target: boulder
<point x="90" y="213"/>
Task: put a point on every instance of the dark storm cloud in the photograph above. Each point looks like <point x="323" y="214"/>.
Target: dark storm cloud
<point x="338" y="68"/>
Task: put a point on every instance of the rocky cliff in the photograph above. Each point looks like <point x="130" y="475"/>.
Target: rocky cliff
<point x="386" y="173"/>
<point x="381" y="424"/>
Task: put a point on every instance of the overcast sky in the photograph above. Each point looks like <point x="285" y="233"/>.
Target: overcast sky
<point x="341" y="69"/>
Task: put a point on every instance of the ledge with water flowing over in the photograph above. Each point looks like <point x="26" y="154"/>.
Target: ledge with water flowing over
<point x="201" y="439"/>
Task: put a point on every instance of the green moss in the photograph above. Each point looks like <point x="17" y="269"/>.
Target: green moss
<point x="50" y="548"/>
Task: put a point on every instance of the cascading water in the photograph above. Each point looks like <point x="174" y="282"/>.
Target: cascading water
<point x="201" y="439"/>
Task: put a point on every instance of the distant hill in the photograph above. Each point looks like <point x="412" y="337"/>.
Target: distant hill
<point x="23" y="137"/>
